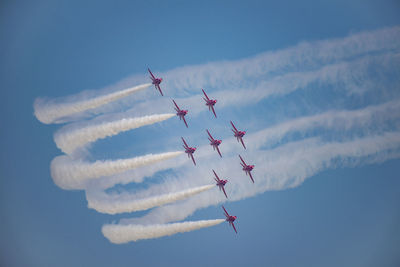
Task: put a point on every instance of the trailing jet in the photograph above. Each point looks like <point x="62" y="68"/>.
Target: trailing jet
<point x="247" y="168"/>
<point x="220" y="183"/>
<point x="230" y="219"/>
<point x="155" y="81"/>
<point x="180" y="113"/>
<point x="189" y="150"/>
<point x="238" y="134"/>
<point x="210" y="103"/>
<point x="215" y="143"/>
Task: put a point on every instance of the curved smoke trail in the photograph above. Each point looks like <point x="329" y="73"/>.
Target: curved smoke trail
<point x="49" y="112"/>
<point x="119" y="234"/>
<point x="113" y="204"/>
<point x="286" y="166"/>
<point x="69" y="173"/>
<point x="68" y="139"/>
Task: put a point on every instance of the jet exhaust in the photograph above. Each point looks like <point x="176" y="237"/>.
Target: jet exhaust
<point x="49" y="112"/>
<point x="127" y="203"/>
<point x="119" y="234"/>
<point x="68" y="173"/>
<point x="68" y="139"/>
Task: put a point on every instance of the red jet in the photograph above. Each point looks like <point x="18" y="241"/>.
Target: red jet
<point x="238" y="134"/>
<point x="230" y="219"/>
<point x="220" y="183"/>
<point x="215" y="143"/>
<point x="181" y="113"/>
<point x="155" y="81"/>
<point x="210" y="103"/>
<point x="189" y="150"/>
<point x="247" y="168"/>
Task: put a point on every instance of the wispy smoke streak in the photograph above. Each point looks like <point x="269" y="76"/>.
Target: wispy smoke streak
<point x="113" y="204"/>
<point x="71" y="173"/>
<point x="341" y="121"/>
<point x="284" y="167"/>
<point x="305" y="56"/>
<point x="49" y="111"/>
<point x="374" y="118"/>
<point x="119" y="234"/>
<point x="68" y="140"/>
<point x="348" y="85"/>
<point x="351" y="73"/>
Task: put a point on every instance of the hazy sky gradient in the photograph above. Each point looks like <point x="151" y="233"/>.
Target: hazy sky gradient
<point x="346" y="216"/>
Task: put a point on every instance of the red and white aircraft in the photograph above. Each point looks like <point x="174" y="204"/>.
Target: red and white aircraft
<point x="214" y="142"/>
<point x="230" y="219"/>
<point x="180" y="113"/>
<point x="220" y="183"/>
<point x="247" y="168"/>
<point x="189" y="150"/>
<point x="155" y="81"/>
<point x="238" y="134"/>
<point x="210" y="103"/>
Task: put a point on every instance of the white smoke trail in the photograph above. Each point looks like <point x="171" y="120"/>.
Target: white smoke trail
<point x="338" y="121"/>
<point x="119" y="234"/>
<point x="304" y="56"/>
<point x="113" y="204"/>
<point x="286" y="166"/>
<point x="352" y="73"/>
<point x="49" y="112"/>
<point x="68" y="139"/>
<point x="363" y="66"/>
<point x="71" y="173"/>
<point x="373" y="118"/>
<point x="255" y="72"/>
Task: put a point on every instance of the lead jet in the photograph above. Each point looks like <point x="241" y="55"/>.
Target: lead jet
<point x="230" y="219"/>
<point x="155" y="81"/>
<point x="247" y="168"/>
<point x="238" y="134"/>
<point x="214" y="142"/>
<point x="180" y="113"/>
<point x="189" y="150"/>
<point x="210" y="103"/>
<point x="220" y="183"/>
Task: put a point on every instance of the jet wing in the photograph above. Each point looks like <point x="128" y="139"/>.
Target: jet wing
<point x="153" y="78"/>
<point x="241" y="140"/>
<point x="212" y="107"/>
<point x="159" y="89"/>
<point x="205" y="94"/>
<point x="183" y="117"/>
<point x="226" y="213"/>
<point x="223" y="189"/>
<point x="234" y="127"/>
<point x="219" y="152"/>
<point x="242" y="160"/>
<point x="191" y="155"/>
<point x="184" y="142"/>
<point x="251" y="177"/>
<point x="176" y="105"/>
<point x="216" y="175"/>
<point x="234" y="228"/>
<point x="210" y="135"/>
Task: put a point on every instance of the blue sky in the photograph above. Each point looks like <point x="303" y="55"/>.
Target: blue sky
<point x="343" y="215"/>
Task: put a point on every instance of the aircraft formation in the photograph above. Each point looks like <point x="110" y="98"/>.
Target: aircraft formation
<point x="210" y="103"/>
